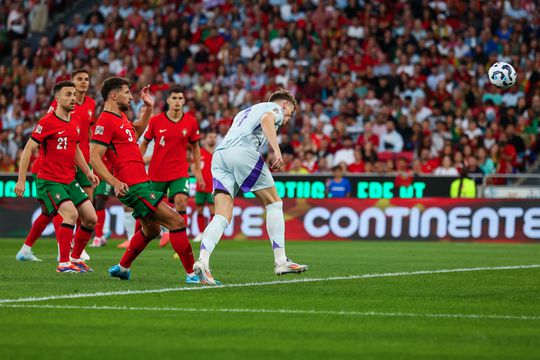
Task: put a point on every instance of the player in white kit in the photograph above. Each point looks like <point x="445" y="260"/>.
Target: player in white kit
<point x="237" y="164"/>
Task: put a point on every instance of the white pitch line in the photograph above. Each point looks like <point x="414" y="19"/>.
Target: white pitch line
<point x="265" y="283"/>
<point x="279" y="311"/>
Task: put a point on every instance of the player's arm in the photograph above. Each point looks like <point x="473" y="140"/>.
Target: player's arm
<point x="144" y="147"/>
<point x="27" y="152"/>
<point x="196" y="149"/>
<point x="81" y="163"/>
<point x="267" y="125"/>
<point x="142" y="121"/>
<point x="96" y="160"/>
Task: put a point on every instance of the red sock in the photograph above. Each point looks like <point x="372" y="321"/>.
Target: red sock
<point x="82" y="236"/>
<point x="57" y="221"/>
<point x="64" y="236"/>
<point x="201" y="222"/>
<point x="136" y="246"/>
<point x="78" y="223"/>
<point x="181" y="245"/>
<point x="100" y="222"/>
<point x="183" y="214"/>
<point x="37" y="229"/>
<point x="138" y="226"/>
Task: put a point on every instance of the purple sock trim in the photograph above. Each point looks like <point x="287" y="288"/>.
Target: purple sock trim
<point x="275" y="246"/>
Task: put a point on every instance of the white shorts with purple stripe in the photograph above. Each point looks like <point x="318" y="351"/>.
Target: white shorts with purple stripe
<point x="240" y="168"/>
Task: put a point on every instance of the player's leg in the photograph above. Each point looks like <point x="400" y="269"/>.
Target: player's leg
<point x="170" y="219"/>
<point x="130" y="225"/>
<point x="37" y="228"/>
<point x="68" y="212"/>
<point x="178" y="195"/>
<point x="101" y="195"/>
<point x="275" y="226"/>
<point x="201" y="221"/>
<point x="88" y="217"/>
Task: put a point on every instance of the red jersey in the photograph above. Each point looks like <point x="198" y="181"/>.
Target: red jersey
<point x="206" y="169"/>
<point x="117" y="133"/>
<point x="58" y="144"/>
<point x="169" y="160"/>
<point x="36" y="165"/>
<point x="85" y="112"/>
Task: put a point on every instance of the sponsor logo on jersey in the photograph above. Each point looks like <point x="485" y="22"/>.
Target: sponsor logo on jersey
<point x="162" y="130"/>
<point x="90" y="113"/>
<point x="99" y="130"/>
<point x="39" y="129"/>
<point x="61" y="132"/>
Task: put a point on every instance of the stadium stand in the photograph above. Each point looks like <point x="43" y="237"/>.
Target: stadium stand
<point x="382" y="85"/>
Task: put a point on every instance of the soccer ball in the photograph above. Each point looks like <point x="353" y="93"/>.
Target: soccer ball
<point x="502" y="75"/>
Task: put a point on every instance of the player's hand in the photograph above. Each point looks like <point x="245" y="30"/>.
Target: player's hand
<point x="147" y="97"/>
<point x="94" y="179"/>
<point x="121" y="189"/>
<point x="200" y="182"/>
<point x="278" y="162"/>
<point x="19" y="188"/>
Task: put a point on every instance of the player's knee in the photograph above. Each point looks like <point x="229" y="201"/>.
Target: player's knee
<point x="151" y="231"/>
<point x="180" y="204"/>
<point x="90" y="221"/>
<point x="69" y="217"/>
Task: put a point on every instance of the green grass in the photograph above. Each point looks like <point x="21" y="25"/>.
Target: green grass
<point x="118" y="333"/>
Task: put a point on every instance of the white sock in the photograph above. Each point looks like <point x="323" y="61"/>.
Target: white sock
<point x="211" y="236"/>
<point x="26" y="248"/>
<point x="64" y="263"/>
<point x="129" y="224"/>
<point x="275" y="225"/>
<point x="123" y="268"/>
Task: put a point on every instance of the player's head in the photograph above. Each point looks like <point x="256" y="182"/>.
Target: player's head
<point x="211" y="138"/>
<point x="65" y="95"/>
<point x="287" y="102"/>
<point x="176" y="99"/>
<point x="81" y="79"/>
<point x="116" y="89"/>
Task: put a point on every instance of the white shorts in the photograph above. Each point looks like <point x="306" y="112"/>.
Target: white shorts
<point x="240" y="168"/>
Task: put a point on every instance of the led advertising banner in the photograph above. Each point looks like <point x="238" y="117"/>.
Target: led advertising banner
<point x="433" y="219"/>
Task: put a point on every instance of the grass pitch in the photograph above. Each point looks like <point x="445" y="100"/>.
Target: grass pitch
<point x="483" y="314"/>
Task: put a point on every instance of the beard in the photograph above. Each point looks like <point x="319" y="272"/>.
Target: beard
<point x="123" y="107"/>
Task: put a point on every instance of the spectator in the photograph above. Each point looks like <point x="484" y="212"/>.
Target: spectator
<point x="338" y="186"/>
<point x="446" y="168"/>
<point x="392" y="140"/>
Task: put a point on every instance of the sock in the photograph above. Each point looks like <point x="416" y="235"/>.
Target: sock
<point x="57" y="222"/>
<point x="82" y="236"/>
<point x="275" y="225"/>
<point x="78" y="223"/>
<point x="25" y="248"/>
<point x="201" y="222"/>
<point x="211" y="236"/>
<point x="181" y="245"/>
<point x="37" y="229"/>
<point x="130" y="225"/>
<point x="183" y="214"/>
<point x="138" y="226"/>
<point x="100" y="222"/>
<point x="136" y="245"/>
<point x="64" y="235"/>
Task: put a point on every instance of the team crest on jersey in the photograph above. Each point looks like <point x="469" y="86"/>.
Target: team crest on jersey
<point x="57" y="196"/>
<point x="99" y="130"/>
<point x="39" y="129"/>
<point x="184" y="132"/>
<point x="152" y="196"/>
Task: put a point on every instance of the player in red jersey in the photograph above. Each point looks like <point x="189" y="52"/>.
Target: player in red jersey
<point x="57" y="136"/>
<point x="116" y="136"/>
<point x="84" y="109"/>
<point x="173" y="131"/>
<point x="204" y="194"/>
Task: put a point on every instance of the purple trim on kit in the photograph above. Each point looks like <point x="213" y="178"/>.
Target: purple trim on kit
<point x="275" y="246"/>
<point x="218" y="185"/>
<point x="202" y="246"/>
<point x="253" y="176"/>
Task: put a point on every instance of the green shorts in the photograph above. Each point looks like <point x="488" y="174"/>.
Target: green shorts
<point x="103" y="189"/>
<point x="38" y="194"/>
<point x="82" y="179"/>
<point x="53" y="194"/>
<point x="143" y="199"/>
<point x="202" y="198"/>
<point x="172" y="188"/>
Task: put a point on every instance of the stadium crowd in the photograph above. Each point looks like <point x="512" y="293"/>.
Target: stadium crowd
<point x="383" y="86"/>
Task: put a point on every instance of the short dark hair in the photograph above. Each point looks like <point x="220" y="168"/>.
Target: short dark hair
<point x="175" y="89"/>
<point x="111" y="84"/>
<point x="283" y="94"/>
<point x="62" y="84"/>
<point x="79" y="71"/>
